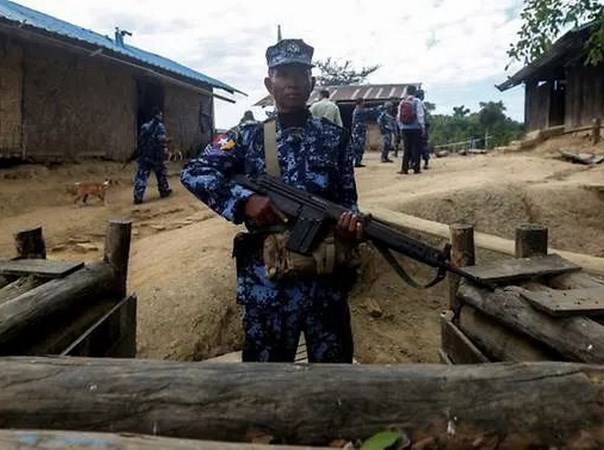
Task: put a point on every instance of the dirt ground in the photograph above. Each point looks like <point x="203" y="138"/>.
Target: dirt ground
<point x="183" y="275"/>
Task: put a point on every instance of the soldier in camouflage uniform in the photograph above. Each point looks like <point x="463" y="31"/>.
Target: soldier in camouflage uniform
<point x="312" y="156"/>
<point x="152" y="147"/>
<point x="387" y="124"/>
<point x="359" y="129"/>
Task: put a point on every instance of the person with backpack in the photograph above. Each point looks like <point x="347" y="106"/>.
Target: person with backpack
<point x="411" y="121"/>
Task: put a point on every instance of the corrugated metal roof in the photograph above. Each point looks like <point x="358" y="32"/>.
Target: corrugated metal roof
<point x="30" y="19"/>
<point x="568" y="47"/>
<point x="349" y="93"/>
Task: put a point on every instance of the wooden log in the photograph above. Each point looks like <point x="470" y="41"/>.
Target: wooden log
<point x="531" y="240"/>
<point x="42" y="268"/>
<point x="18" y="287"/>
<point x="303" y="404"/>
<point x="482" y="240"/>
<point x="595" y="131"/>
<point x="117" y="251"/>
<point x="500" y="342"/>
<point x="462" y="254"/>
<point x="456" y="345"/>
<point x="576" y="338"/>
<point x="73" y="440"/>
<point x="30" y="244"/>
<point x="33" y="312"/>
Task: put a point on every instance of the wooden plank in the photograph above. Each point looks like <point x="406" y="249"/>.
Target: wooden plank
<point x="43" y="268"/>
<point x="513" y="270"/>
<point x="113" y="335"/>
<point x="501" y="342"/>
<point x="575" y="338"/>
<point x="456" y="345"/>
<point x="546" y="404"/>
<point x="573" y="302"/>
<point x="68" y="329"/>
<point x="77" y="440"/>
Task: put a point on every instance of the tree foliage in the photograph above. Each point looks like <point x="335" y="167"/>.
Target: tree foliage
<point x="334" y="73"/>
<point x="544" y="20"/>
<point x="464" y="125"/>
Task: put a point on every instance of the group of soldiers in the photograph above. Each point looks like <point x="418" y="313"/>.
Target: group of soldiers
<point x="393" y="130"/>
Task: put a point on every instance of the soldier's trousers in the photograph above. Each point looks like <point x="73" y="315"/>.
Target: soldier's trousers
<point x="143" y="171"/>
<point x="272" y="332"/>
<point x="412" y="140"/>
<point x="386" y="146"/>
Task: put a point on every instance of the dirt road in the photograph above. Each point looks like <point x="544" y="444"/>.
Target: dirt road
<point x="183" y="274"/>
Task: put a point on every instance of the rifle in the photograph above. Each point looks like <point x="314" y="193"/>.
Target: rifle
<point x="143" y="140"/>
<point x="311" y="216"/>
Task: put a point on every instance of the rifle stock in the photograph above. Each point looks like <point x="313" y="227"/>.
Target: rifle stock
<point x="311" y="215"/>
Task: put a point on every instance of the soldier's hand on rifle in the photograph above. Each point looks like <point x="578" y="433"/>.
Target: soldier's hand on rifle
<point x="261" y="210"/>
<point x="349" y="228"/>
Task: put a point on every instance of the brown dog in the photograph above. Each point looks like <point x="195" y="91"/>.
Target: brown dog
<point x="86" y="189"/>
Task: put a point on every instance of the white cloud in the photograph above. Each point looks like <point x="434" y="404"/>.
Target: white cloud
<point x="442" y="43"/>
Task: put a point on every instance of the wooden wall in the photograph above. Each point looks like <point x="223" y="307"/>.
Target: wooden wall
<point x="584" y="95"/>
<point x="76" y="106"/>
<point x="11" y="79"/>
<point x="536" y="107"/>
<point x="183" y="108"/>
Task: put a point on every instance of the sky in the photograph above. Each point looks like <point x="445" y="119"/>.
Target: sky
<point x="455" y="48"/>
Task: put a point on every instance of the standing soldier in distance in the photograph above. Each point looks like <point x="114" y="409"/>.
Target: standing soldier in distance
<point x="308" y="153"/>
<point x="151" y="156"/>
<point x="387" y="124"/>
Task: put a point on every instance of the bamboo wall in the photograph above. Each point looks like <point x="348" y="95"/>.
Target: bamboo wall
<point x="75" y="105"/>
<point x="182" y="117"/>
<point x="59" y="104"/>
<point x="11" y="79"/>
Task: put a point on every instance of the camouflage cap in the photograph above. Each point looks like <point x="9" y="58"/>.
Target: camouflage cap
<point x="289" y="51"/>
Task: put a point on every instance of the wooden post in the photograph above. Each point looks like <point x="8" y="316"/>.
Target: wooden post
<point x="30" y="244"/>
<point x="546" y="405"/>
<point x="531" y="240"/>
<point x="597" y="125"/>
<point x="117" y="251"/>
<point x="462" y="254"/>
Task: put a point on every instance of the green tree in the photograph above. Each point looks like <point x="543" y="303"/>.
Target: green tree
<point x="544" y="20"/>
<point x="460" y="111"/>
<point x="463" y="125"/>
<point x="490" y="114"/>
<point x="334" y="73"/>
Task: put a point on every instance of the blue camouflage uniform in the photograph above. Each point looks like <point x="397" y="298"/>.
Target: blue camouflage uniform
<point x="387" y="124"/>
<point x="313" y="157"/>
<point x="360" y="116"/>
<point x="151" y="158"/>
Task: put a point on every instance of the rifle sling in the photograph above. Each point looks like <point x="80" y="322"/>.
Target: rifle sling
<point x="400" y="271"/>
<point x="271" y="157"/>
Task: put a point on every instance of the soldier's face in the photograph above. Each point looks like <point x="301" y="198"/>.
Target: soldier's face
<point x="290" y="86"/>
